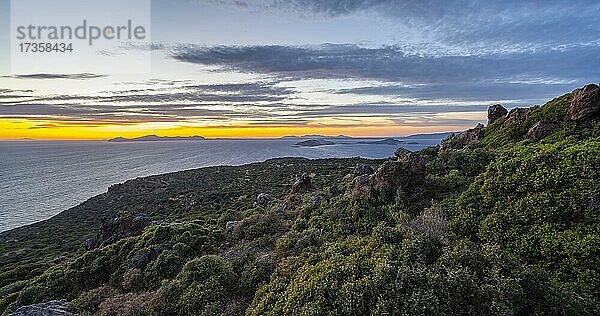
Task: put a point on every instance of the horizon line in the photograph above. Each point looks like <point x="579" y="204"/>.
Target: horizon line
<point x="219" y="138"/>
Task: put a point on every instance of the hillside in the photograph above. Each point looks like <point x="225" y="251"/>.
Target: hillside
<point x="501" y="219"/>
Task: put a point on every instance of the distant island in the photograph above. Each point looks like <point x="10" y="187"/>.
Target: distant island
<point x="386" y="141"/>
<point x="429" y="135"/>
<point x="314" y="143"/>
<point x="154" y="138"/>
<point x="317" y="136"/>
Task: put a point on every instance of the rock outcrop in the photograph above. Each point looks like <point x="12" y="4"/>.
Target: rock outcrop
<point x="464" y="139"/>
<point x="303" y="185"/>
<point x="541" y="130"/>
<point x="584" y="103"/>
<point x="496" y="112"/>
<point x="390" y="176"/>
<point x="52" y="308"/>
<point x="516" y="116"/>
<point x="118" y="228"/>
<point x="408" y="170"/>
<point x="360" y="186"/>
<point x="415" y="164"/>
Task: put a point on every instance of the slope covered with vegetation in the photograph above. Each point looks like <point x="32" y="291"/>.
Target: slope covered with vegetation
<point x="499" y="220"/>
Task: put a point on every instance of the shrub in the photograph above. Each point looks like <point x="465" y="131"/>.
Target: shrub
<point x="89" y="302"/>
<point x="367" y="277"/>
<point x="258" y="225"/>
<point x="133" y="280"/>
<point x="130" y="304"/>
<point x="540" y="202"/>
<point x="203" y="287"/>
<point x="166" y="266"/>
<point x="432" y="223"/>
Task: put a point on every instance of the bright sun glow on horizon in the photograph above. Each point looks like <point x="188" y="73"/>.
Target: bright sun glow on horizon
<point x="51" y="130"/>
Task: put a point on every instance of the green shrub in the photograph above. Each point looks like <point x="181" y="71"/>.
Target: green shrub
<point x="258" y="225"/>
<point x="133" y="280"/>
<point x="202" y="287"/>
<point x="367" y="277"/>
<point x="540" y="202"/>
<point x="89" y="302"/>
<point x="166" y="266"/>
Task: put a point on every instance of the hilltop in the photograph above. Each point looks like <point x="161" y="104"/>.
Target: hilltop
<point x="497" y="220"/>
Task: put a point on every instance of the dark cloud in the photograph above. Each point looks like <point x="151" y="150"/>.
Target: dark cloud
<point x="81" y="76"/>
<point x="232" y="93"/>
<point x="253" y="88"/>
<point x="239" y="93"/>
<point x="484" y="92"/>
<point x="113" y="113"/>
<point x="6" y="91"/>
<point x="380" y="109"/>
<point x="570" y="67"/>
<point x="11" y="97"/>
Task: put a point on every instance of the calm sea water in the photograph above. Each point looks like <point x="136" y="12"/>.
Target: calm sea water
<point x="41" y="179"/>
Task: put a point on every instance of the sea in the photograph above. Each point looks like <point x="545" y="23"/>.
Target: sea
<point x="39" y="179"/>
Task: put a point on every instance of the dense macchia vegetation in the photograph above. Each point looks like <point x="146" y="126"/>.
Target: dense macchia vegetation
<point x="498" y="220"/>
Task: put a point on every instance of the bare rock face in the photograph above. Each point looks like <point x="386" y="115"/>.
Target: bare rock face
<point x="409" y="170"/>
<point x="516" y="116"/>
<point x="52" y="308"/>
<point x="584" y="103"/>
<point x="118" y="228"/>
<point x="390" y="175"/>
<point x="315" y="201"/>
<point x="144" y="256"/>
<point x="361" y="186"/>
<point x="541" y="130"/>
<point x="464" y="139"/>
<point x="303" y="185"/>
<point x="415" y="164"/>
<point x="496" y="112"/>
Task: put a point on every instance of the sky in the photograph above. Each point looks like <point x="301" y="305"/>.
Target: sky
<point x="237" y="68"/>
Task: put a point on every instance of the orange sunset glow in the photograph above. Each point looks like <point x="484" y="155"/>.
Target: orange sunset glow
<point x="58" y="130"/>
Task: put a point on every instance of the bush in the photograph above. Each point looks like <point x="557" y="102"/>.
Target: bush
<point x="89" y="302"/>
<point x="203" y="287"/>
<point x="130" y="304"/>
<point x="166" y="266"/>
<point x="258" y="225"/>
<point x="366" y="277"/>
<point x="133" y="280"/>
<point x="432" y="223"/>
<point x="540" y="202"/>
